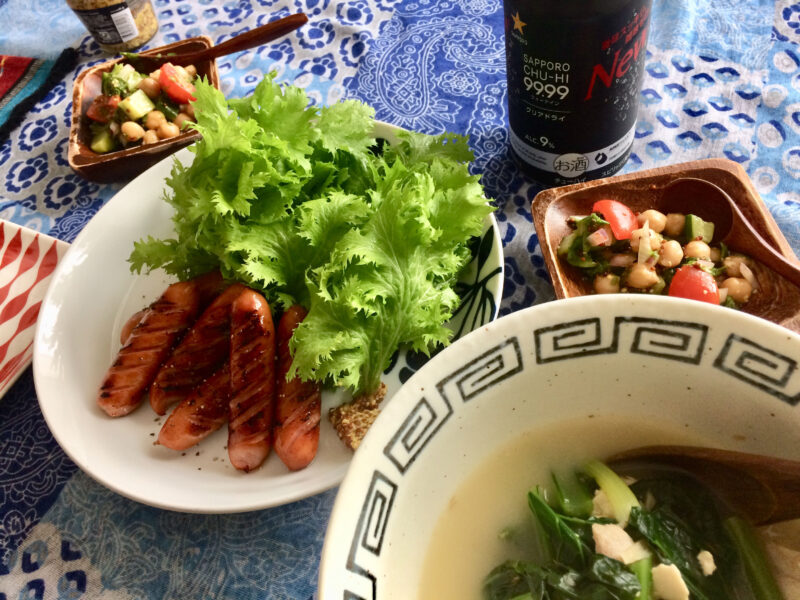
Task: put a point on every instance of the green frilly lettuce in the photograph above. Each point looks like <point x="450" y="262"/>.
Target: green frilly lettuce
<point x="294" y="201"/>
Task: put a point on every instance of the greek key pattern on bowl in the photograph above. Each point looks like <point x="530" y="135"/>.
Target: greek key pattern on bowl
<point x="368" y="539"/>
<point x="418" y="428"/>
<point x="423" y="421"/>
<point x="566" y="340"/>
<point x="761" y="367"/>
<point x="430" y="413"/>
<point x="675" y="340"/>
<point x="490" y="368"/>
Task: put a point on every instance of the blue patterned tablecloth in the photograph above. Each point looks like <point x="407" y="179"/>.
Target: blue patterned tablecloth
<point x="723" y="79"/>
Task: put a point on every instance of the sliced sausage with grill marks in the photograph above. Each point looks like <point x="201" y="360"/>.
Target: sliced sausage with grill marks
<point x="148" y="345"/>
<point x="208" y="286"/>
<point x="201" y="352"/>
<point x="297" y="411"/>
<point x="199" y="414"/>
<point x="252" y="399"/>
<point x="130" y="324"/>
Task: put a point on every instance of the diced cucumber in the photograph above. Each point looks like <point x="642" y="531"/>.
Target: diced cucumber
<point x="103" y="141"/>
<point x="698" y="229"/>
<point x="127" y="76"/>
<point x="708" y="231"/>
<point x="137" y="105"/>
<point x="566" y="243"/>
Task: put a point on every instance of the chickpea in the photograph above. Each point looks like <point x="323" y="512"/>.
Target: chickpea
<point x="182" y="119"/>
<point x="641" y="276"/>
<point x="674" y="225"/>
<point x="154" y="119"/>
<point x="606" y="284"/>
<point x="155" y="74"/>
<point x="183" y="75"/>
<point x="671" y="254"/>
<point x="697" y="249"/>
<point x="739" y="289"/>
<point x="132" y="131"/>
<point x="657" y="220"/>
<point x="636" y="238"/>
<point x="151" y="87"/>
<point x="191" y="71"/>
<point x="187" y="109"/>
<point x="167" y="130"/>
<point x="150" y="137"/>
<point x="732" y="264"/>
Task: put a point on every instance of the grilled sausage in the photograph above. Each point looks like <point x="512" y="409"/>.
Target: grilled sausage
<point x="297" y="411"/>
<point x="201" y="352"/>
<point x="146" y="348"/>
<point x="199" y="414"/>
<point x="252" y="360"/>
<point x="208" y="286"/>
<point x="132" y="322"/>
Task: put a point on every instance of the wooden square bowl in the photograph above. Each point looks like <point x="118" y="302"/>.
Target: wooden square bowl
<point x="777" y="299"/>
<point x="122" y="165"/>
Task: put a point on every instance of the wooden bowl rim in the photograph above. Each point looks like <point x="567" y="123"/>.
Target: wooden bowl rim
<point x="747" y="197"/>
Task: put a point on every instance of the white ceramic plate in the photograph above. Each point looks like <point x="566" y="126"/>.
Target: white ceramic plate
<point x="705" y="372"/>
<point x="91" y="296"/>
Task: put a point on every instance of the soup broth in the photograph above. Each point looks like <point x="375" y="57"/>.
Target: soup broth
<point x="487" y="520"/>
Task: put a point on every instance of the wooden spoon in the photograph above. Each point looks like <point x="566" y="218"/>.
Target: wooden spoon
<point x="762" y="489"/>
<point x="250" y="39"/>
<point x="690" y="195"/>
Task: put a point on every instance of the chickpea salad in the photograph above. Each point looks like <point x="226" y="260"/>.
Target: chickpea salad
<point x="657" y="253"/>
<point x="136" y="108"/>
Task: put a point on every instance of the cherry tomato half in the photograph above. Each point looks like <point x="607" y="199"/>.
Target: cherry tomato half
<point x="621" y="218"/>
<point x="695" y="284"/>
<point x="176" y="87"/>
<point x="103" y="108"/>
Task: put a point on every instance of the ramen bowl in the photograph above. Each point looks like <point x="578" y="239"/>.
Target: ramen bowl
<point x="447" y="465"/>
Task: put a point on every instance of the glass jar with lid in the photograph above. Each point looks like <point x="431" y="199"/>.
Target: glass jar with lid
<point x="117" y="25"/>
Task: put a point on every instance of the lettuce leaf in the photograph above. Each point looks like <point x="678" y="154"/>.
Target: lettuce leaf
<point x="295" y="201"/>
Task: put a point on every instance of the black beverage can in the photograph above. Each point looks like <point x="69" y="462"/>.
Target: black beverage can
<point x="574" y="72"/>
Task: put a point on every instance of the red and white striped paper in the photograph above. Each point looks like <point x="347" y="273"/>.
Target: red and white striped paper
<point x="27" y="260"/>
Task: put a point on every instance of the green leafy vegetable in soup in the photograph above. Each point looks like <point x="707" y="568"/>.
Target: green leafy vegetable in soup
<point x="293" y="200"/>
<point x="663" y="537"/>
